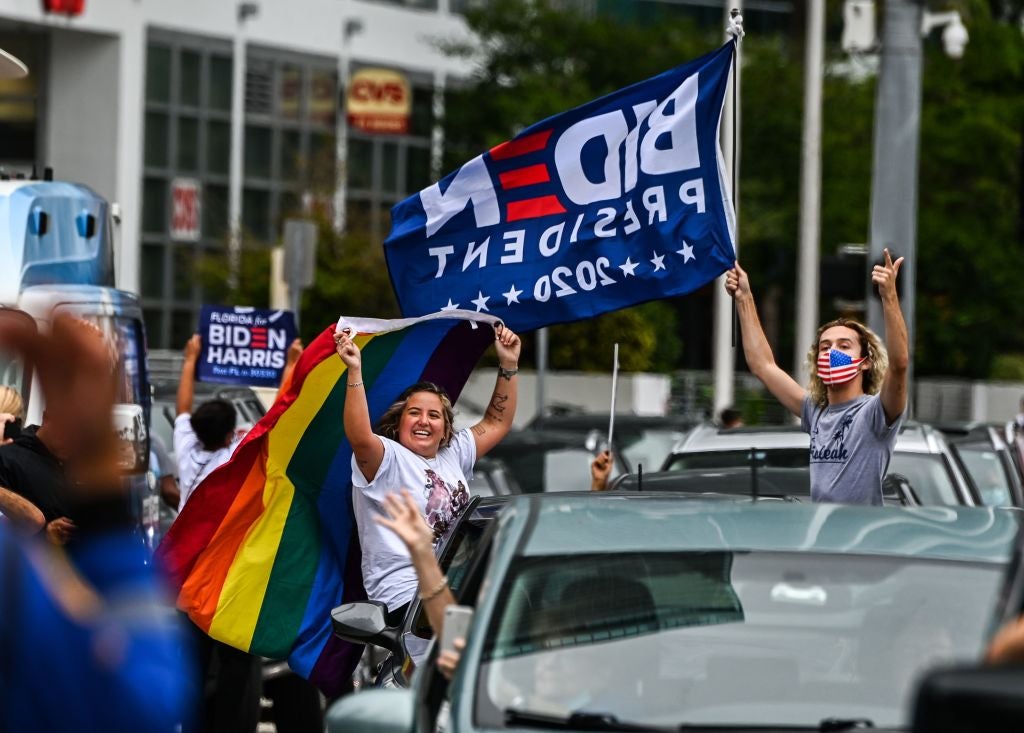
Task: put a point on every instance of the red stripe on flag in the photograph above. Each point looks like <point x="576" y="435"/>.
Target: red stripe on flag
<point x="521" y="146"/>
<point x="526" y="176"/>
<point x="534" y="208"/>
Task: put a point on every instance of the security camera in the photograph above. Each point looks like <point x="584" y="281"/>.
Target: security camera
<point x="954" y="38"/>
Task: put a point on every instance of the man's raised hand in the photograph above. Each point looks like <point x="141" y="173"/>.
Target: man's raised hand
<point x="884" y="275"/>
<point x="736" y="282"/>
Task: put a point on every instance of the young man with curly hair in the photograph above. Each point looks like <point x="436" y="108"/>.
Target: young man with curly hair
<point x="857" y="395"/>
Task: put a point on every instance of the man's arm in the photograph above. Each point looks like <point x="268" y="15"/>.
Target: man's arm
<point x="187" y="381"/>
<point x="894" y="388"/>
<point x="20" y="512"/>
<point x="497" y="420"/>
<point x="755" y="345"/>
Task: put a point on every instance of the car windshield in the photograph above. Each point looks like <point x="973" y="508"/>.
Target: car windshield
<point x="928" y="476"/>
<point x="537" y="469"/>
<point x="648" y="447"/>
<point x="728" y="638"/>
<point x="774" y="458"/>
<point x="986" y="470"/>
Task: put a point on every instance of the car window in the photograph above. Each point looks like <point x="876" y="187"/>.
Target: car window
<point x="649" y="448"/>
<point x="766" y="457"/>
<point x="928" y="476"/>
<point x="987" y="472"/>
<point x="756" y="639"/>
<point x="459" y="558"/>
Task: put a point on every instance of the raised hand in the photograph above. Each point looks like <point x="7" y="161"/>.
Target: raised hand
<point x="193" y="347"/>
<point x="600" y="469"/>
<point x="884" y="275"/>
<point x="507" y="344"/>
<point x="736" y="282"/>
<point x="294" y="351"/>
<point x="448" y="661"/>
<point x="347" y="349"/>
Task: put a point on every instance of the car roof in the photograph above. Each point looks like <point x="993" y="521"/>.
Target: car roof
<point x="644" y="523"/>
<point x="914" y="437"/>
<point x="771" y="481"/>
<point x="165" y="390"/>
<point x="599" y="421"/>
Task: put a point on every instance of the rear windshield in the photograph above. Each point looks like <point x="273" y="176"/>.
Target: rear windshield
<point x="777" y="458"/>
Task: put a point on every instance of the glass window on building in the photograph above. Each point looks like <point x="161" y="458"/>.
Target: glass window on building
<point x="384" y="168"/>
<point x="290" y="113"/>
<point x="19" y="99"/>
<point x="187" y="136"/>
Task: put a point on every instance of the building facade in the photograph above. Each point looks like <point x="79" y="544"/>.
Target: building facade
<point x="194" y="114"/>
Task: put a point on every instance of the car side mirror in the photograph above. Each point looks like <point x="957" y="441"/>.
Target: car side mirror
<point x="366" y="622"/>
<point x="376" y="711"/>
<point x="971" y="700"/>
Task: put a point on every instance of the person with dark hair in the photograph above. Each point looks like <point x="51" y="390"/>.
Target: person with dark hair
<point x="415" y="447"/>
<point x="204" y="439"/>
<point x="857" y="397"/>
<point x="730" y="417"/>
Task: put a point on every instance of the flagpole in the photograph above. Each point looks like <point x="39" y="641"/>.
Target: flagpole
<point x="725" y="326"/>
<point x="615" y="385"/>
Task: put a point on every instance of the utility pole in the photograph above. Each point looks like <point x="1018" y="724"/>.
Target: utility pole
<point x="894" y="174"/>
<point x="724" y="354"/>
<point x="807" y="275"/>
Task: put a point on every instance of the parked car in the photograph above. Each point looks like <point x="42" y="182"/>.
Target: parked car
<point x="390" y="657"/>
<point x="988" y="459"/>
<point x="922" y="456"/>
<point x="165" y="391"/>
<point x="641" y="613"/>
<point x="785" y="483"/>
<point x="640" y="440"/>
<point x="535" y="461"/>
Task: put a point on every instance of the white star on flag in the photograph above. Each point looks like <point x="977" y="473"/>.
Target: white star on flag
<point x="451" y="306"/>
<point x="658" y="261"/>
<point x="628" y="267"/>
<point x="512" y="296"/>
<point x="481" y="301"/>
<point x="686" y="252"/>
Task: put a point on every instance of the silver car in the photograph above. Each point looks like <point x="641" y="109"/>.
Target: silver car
<point x="922" y="457"/>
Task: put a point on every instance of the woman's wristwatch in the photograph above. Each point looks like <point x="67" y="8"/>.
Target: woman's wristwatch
<point x="507" y="373"/>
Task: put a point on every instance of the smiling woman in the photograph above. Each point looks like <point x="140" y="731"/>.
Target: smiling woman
<point x="415" y="447"/>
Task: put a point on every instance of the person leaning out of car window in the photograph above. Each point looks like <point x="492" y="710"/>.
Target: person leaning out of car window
<point x="857" y="396"/>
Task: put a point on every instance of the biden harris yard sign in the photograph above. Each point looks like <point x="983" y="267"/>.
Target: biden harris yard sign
<point x="244" y="345"/>
<point x="617" y="202"/>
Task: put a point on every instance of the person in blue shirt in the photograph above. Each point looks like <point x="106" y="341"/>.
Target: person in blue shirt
<point x="88" y="639"/>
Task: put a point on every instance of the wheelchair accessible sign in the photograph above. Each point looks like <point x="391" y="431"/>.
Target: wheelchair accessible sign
<point x="244" y="345"/>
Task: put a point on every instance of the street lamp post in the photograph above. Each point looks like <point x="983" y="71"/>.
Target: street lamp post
<point x="897" y="135"/>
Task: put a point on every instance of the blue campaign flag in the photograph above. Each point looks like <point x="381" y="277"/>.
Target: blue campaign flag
<point x="244" y="345"/>
<point x="617" y="202"/>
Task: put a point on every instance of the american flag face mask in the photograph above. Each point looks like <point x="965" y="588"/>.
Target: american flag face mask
<point x="835" y="367"/>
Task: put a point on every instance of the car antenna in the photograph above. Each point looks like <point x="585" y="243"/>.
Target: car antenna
<point x="639" y="477"/>
<point x="753" y="474"/>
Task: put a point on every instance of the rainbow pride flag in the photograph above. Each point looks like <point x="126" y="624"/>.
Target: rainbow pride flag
<point x="266" y="546"/>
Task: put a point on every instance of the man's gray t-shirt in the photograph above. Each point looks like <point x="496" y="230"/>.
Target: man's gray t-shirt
<point x="850" y="449"/>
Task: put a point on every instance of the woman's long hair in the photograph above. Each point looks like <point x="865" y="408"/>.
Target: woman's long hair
<point x="388" y="424"/>
<point x="870" y="346"/>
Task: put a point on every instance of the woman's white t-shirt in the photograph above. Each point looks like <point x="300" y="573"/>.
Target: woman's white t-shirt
<point x="440" y="488"/>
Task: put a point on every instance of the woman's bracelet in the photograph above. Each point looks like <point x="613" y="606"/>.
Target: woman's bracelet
<point x="436" y="590"/>
<point x="355" y="384"/>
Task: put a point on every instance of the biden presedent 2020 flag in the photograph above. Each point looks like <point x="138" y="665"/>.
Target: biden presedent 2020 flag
<point x="616" y="202"/>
